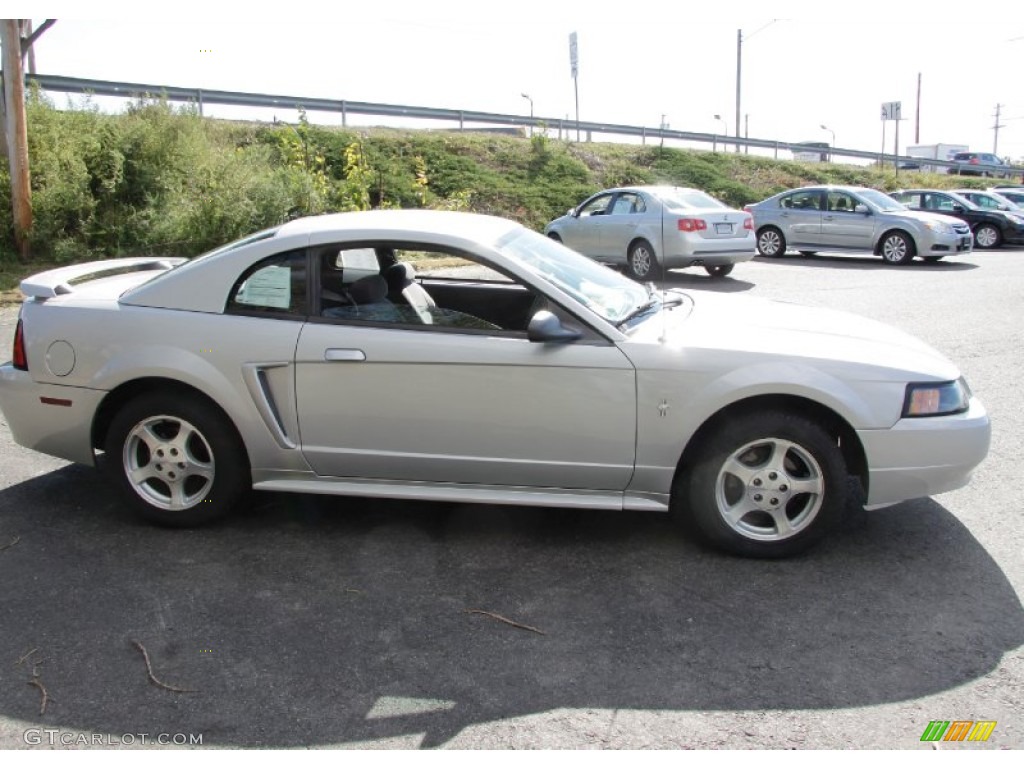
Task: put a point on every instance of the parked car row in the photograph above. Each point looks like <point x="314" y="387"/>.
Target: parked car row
<point x="648" y="229"/>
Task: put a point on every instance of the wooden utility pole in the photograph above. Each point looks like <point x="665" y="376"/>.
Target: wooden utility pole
<point x="16" y="38"/>
<point x="16" y="129"/>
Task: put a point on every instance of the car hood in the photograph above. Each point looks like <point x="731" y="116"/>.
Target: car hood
<point x="753" y="329"/>
<point x="924" y="216"/>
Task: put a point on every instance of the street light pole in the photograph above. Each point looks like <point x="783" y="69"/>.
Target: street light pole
<point x="725" y="133"/>
<point x="739" y="70"/>
<point x="527" y="97"/>
<point x="826" y="128"/>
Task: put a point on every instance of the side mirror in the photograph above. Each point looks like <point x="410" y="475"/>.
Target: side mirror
<point x="861" y="208"/>
<point x="958" y="208"/>
<point x="572" y="212"/>
<point x="546" y="327"/>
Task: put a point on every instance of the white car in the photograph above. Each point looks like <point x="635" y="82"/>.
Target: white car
<point x="650" y="229"/>
<point x="505" y="368"/>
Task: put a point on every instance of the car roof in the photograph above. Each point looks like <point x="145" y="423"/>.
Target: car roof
<point x="404" y="223"/>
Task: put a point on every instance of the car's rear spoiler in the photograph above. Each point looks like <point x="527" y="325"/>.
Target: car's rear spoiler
<point x="57" y="282"/>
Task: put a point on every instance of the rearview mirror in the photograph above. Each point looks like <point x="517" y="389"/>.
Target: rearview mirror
<point x="545" y="326"/>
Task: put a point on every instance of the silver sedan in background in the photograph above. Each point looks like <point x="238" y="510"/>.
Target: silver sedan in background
<point x="831" y="218"/>
<point x="649" y="229"/>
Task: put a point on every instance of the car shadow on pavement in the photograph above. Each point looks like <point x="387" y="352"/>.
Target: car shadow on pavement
<point x="867" y="261"/>
<point x="310" y="621"/>
<point x="677" y="279"/>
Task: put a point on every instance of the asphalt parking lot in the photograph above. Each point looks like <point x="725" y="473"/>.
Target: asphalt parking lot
<point x="320" y="622"/>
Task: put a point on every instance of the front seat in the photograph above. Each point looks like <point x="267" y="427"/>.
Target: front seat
<point x="403" y="289"/>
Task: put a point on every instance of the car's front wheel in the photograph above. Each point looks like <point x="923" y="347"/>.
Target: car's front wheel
<point x="771" y="242"/>
<point x="719" y="270"/>
<point x="641" y="262"/>
<point x="555" y="236"/>
<point x="988" y="236"/>
<point x="897" y="248"/>
<point x="766" y="485"/>
<point x="177" y="459"/>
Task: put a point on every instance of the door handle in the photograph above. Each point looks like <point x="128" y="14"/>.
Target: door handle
<point x="344" y="355"/>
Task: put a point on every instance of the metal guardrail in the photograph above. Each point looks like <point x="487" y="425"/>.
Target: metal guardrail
<point x="344" y="107"/>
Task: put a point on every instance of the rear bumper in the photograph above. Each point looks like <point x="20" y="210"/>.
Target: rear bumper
<point x="50" y="419"/>
<point x="922" y="457"/>
<point x="708" y="258"/>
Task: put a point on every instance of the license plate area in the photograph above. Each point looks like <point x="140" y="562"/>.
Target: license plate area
<point x="723" y="228"/>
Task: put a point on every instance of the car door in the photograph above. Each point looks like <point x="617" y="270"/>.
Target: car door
<point x="621" y="224"/>
<point x="842" y="226"/>
<point x="801" y="217"/>
<point x="582" y="231"/>
<point x="460" y="402"/>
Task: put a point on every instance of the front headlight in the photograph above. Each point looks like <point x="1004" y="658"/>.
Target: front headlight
<point x="936" y="399"/>
<point x="940" y="227"/>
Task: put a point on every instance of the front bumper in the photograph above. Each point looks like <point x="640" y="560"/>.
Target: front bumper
<point x="50" y="419"/>
<point x="948" y="243"/>
<point x="924" y="456"/>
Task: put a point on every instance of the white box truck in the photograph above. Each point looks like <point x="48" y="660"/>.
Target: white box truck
<point x="933" y="152"/>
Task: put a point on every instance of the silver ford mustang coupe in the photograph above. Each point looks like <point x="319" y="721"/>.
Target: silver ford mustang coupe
<point x="460" y="357"/>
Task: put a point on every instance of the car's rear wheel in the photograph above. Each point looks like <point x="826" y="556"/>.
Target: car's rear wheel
<point x="767" y="485"/>
<point x="641" y="262"/>
<point x="178" y="460"/>
<point x="771" y="242"/>
<point x="897" y="248"/>
<point x="987" y="236"/>
<point x="719" y="270"/>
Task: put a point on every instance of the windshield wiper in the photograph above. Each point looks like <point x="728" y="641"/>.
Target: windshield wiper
<point x="652" y="302"/>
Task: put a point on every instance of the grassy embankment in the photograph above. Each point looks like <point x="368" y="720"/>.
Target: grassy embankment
<point x="158" y="180"/>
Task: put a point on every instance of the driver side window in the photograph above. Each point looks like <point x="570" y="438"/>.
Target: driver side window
<point x="420" y="288"/>
<point x="596" y="207"/>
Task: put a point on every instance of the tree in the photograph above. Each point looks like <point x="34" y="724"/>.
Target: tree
<point x="15" y="48"/>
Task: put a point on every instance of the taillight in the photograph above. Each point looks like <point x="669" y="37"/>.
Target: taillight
<point x="692" y="225"/>
<point x="748" y="223"/>
<point x="18" y="357"/>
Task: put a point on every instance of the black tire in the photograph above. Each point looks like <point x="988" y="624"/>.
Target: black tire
<point x="767" y="485"/>
<point x="719" y="270"/>
<point x="189" y="464"/>
<point x="896" y="248"/>
<point x="987" y="236"/>
<point x="555" y="236"/>
<point x="771" y="243"/>
<point x="641" y="262"/>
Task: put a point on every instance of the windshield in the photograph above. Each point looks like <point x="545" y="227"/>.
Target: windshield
<point x="880" y="200"/>
<point x="600" y="289"/>
<point x="677" y="197"/>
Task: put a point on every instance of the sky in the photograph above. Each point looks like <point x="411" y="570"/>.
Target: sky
<point x="805" y="64"/>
